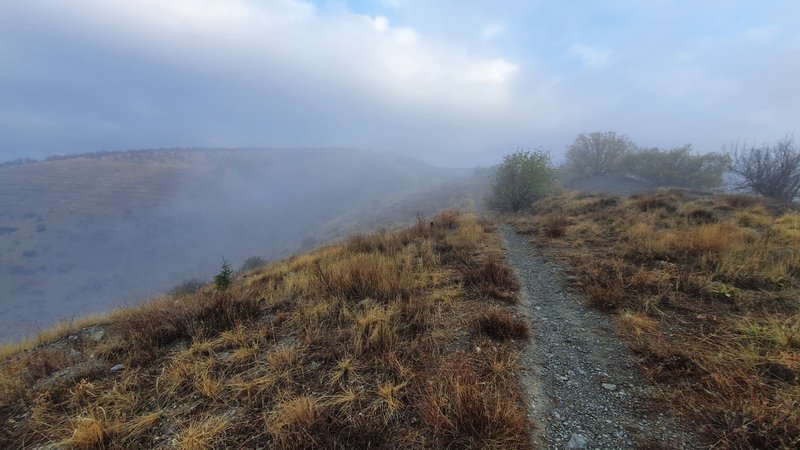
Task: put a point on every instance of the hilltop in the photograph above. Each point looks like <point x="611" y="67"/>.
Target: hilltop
<point x="84" y="234"/>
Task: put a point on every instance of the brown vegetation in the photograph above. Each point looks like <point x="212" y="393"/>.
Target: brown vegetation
<point x="380" y="342"/>
<point x="706" y="291"/>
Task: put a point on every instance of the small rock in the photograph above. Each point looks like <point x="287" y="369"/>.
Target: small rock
<point x="117" y="368"/>
<point x="562" y="377"/>
<point x="556" y="415"/>
<point x="609" y="386"/>
<point x="98" y="335"/>
<point x="577" y="442"/>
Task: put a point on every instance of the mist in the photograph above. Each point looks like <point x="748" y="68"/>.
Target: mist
<point x="76" y="248"/>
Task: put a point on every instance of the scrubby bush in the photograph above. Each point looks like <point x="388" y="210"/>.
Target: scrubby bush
<point x="769" y="170"/>
<point x="679" y="166"/>
<point x="596" y="154"/>
<point x="522" y="177"/>
<point x="187" y="287"/>
<point x="252" y="263"/>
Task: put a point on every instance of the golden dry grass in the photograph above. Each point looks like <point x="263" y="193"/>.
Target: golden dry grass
<point x="706" y="291"/>
<point x="377" y="342"/>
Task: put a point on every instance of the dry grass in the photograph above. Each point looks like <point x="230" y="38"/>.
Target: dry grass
<point x="378" y="342"/>
<point x="492" y="278"/>
<point x="498" y="323"/>
<point x="465" y="413"/>
<point x="706" y="291"/>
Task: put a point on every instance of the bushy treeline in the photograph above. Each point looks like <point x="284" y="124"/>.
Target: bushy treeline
<point x="524" y="176"/>
<point x="160" y="154"/>
<point x="770" y="170"/>
<point x="608" y="153"/>
<point x="18" y="162"/>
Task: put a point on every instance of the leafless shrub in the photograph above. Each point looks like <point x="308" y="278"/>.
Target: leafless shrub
<point x="769" y="170"/>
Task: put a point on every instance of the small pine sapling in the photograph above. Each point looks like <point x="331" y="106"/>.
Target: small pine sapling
<point x="223" y="280"/>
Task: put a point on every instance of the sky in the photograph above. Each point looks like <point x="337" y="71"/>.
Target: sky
<point x="452" y="82"/>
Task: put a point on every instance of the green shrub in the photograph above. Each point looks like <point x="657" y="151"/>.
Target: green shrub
<point x="224" y="279"/>
<point x="522" y="177"/>
<point x="596" y="154"/>
<point x="679" y="166"/>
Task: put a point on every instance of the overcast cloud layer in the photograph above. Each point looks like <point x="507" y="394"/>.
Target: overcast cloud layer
<point x="452" y="82"/>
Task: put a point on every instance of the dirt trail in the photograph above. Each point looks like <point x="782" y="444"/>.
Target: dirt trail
<point x="585" y="388"/>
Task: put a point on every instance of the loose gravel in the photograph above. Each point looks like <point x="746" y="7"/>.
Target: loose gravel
<point x="586" y="389"/>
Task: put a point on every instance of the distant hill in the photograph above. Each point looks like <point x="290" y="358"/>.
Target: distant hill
<point x="80" y="235"/>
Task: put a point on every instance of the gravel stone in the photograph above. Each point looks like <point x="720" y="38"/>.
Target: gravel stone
<point x="580" y="341"/>
<point x="577" y="442"/>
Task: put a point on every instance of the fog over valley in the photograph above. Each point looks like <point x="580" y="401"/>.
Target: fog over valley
<point x="102" y="231"/>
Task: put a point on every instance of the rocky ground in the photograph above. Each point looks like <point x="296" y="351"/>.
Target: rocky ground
<point x="585" y="387"/>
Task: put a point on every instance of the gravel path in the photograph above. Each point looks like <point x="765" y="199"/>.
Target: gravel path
<point x="585" y="388"/>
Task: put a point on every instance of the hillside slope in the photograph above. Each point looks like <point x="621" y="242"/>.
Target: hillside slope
<point x="395" y="340"/>
<point x="83" y="235"/>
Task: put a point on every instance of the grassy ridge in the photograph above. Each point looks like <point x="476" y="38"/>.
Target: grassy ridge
<point x="705" y="290"/>
<point x="395" y="340"/>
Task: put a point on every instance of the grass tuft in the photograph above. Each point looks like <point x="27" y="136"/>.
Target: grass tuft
<point x="498" y="323"/>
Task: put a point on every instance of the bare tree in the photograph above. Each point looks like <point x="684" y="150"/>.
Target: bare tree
<point x="769" y="170"/>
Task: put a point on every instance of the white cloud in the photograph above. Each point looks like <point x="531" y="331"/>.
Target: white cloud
<point x="405" y="78"/>
<point x="492" y="30"/>
<point x="380" y="23"/>
<point x="245" y="38"/>
<point x="761" y="35"/>
<point x="590" y="56"/>
<point x="495" y="72"/>
<point x="405" y="36"/>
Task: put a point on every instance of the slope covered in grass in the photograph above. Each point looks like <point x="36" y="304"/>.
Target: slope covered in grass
<point x="705" y="290"/>
<point x="396" y="340"/>
<point x="89" y="233"/>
